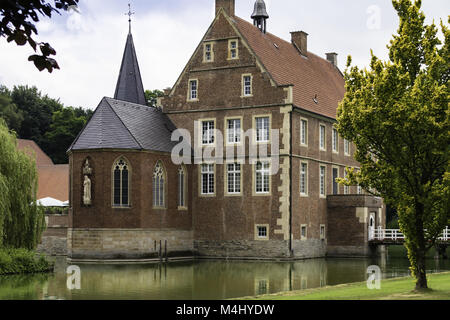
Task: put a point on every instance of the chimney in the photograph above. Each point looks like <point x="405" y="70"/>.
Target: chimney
<point x="227" y="5"/>
<point x="300" y="40"/>
<point x="332" y="58"/>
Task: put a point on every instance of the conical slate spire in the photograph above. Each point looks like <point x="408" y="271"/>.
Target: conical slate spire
<point x="129" y="85"/>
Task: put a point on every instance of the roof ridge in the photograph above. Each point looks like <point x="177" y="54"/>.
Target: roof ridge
<point x="281" y="39"/>
<point x="85" y="126"/>
<point x="121" y="121"/>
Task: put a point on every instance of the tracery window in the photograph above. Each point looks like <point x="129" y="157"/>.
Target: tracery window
<point x="158" y="186"/>
<point x="121" y="183"/>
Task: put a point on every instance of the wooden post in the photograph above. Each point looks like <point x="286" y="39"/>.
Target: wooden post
<point x="165" y="250"/>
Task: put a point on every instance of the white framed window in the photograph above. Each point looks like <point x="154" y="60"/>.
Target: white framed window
<point x="208" y="52"/>
<point x="304" y="232"/>
<point x="303" y="179"/>
<point x="322" y="137"/>
<point x="182" y="187"/>
<point x="359" y="189"/>
<point x="261" y="232"/>
<point x="262" y="177"/>
<point x="193" y="90"/>
<point x="121" y="183"/>
<point x="208" y="128"/>
<point x="233" y="178"/>
<point x="304" y="132"/>
<point x="262" y="129"/>
<point x="247" y="87"/>
<point x="335" y="141"/>
<point x="322" y="232"/>
<point x="159" y="180"/>
<point x="207" y="179"/>
<point x="233" y="49"/>
<point x="234" y="131"/>
<point x="322" y="177"/>
<point x="346" y="147"/>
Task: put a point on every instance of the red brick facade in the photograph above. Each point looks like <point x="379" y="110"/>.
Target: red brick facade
<point x="222" y="224"/>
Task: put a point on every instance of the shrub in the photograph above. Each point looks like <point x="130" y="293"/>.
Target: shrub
<point x="14" y="261"/>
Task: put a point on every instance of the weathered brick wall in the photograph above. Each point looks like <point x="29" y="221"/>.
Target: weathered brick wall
<point x="128" y="243"/>
<point x="348" y="221"/>
<point x="250" y="249"/>
<point x="141" y="214"/>
<point x="310" y="248"/>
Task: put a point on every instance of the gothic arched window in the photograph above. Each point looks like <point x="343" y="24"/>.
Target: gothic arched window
<point x="158" y="186"/>
<point x="121" y="183"/>
<point x="182" y="186"/>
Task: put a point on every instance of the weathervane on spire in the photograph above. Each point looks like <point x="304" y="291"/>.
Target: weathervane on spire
<point x="129" y="14"/>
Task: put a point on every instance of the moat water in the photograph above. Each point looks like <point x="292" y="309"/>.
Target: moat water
<point x="203" y="280"/>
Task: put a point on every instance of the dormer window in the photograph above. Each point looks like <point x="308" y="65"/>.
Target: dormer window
<point x="233" y="49"/>
<point x="208" y="53"/>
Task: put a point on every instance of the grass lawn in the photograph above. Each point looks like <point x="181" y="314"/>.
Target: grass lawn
<point x="391" y="289"/>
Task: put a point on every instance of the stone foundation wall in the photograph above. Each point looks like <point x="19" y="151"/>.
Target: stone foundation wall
<point x="128" y="243"/>
<point x="53" y="245"/>
<point x="348" y="251"/>
<point x="311" y="248"/>
<point x="54" y="238"/>
<point x="242" y="249"/>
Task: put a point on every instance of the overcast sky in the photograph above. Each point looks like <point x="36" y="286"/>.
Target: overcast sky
<point x="90" y="45"/>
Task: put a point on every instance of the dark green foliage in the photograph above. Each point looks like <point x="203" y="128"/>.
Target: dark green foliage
<point x="44" y="120"/>
<point x="56" y="210"/>
<point x="64" y="128"/>
<point x="14" y="261"/>
<point x="9" y="111"/>
<point x="37" y="111"/>
<point x="17" y="23"/>
<point x="151" y="96"/>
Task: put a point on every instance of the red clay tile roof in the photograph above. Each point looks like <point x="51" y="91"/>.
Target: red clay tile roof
<point x="32" y="149"/>
<point x="53" y="180"/>
<point x="310" y="76"/>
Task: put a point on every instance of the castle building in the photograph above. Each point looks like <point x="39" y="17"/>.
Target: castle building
<point x="129" y="199"/>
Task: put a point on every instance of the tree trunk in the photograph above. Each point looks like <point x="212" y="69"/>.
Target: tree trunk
<point x="421" y="274"/>
<point x="420" y="267"/>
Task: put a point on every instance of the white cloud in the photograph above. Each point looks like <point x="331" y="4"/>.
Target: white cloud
<point x="90" y="45"/>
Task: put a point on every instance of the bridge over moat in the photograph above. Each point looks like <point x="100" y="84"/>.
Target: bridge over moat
<point x="379" y="236"/>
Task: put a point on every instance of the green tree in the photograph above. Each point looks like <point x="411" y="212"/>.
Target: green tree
<point x="151" y="96"/>
<point x="10" y="113"/>
<point x="21" y="220"/>
<point x="65" y="126"/>
<point x="397" y="115"/>
<point x="18" y="25"/>
<point x="37" y="112"/>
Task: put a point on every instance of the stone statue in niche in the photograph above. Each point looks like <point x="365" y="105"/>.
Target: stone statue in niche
<point x="87" y="197"/>
<point x="87" y="184"/>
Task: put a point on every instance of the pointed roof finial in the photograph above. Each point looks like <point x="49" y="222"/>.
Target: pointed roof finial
<point x="129" y="14"/>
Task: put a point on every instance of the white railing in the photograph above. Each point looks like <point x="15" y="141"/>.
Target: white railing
<point x="395" y="234"/>
<point x="445" y="235"/>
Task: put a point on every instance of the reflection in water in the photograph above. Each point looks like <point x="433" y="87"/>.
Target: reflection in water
<point x="200" y="279"/>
